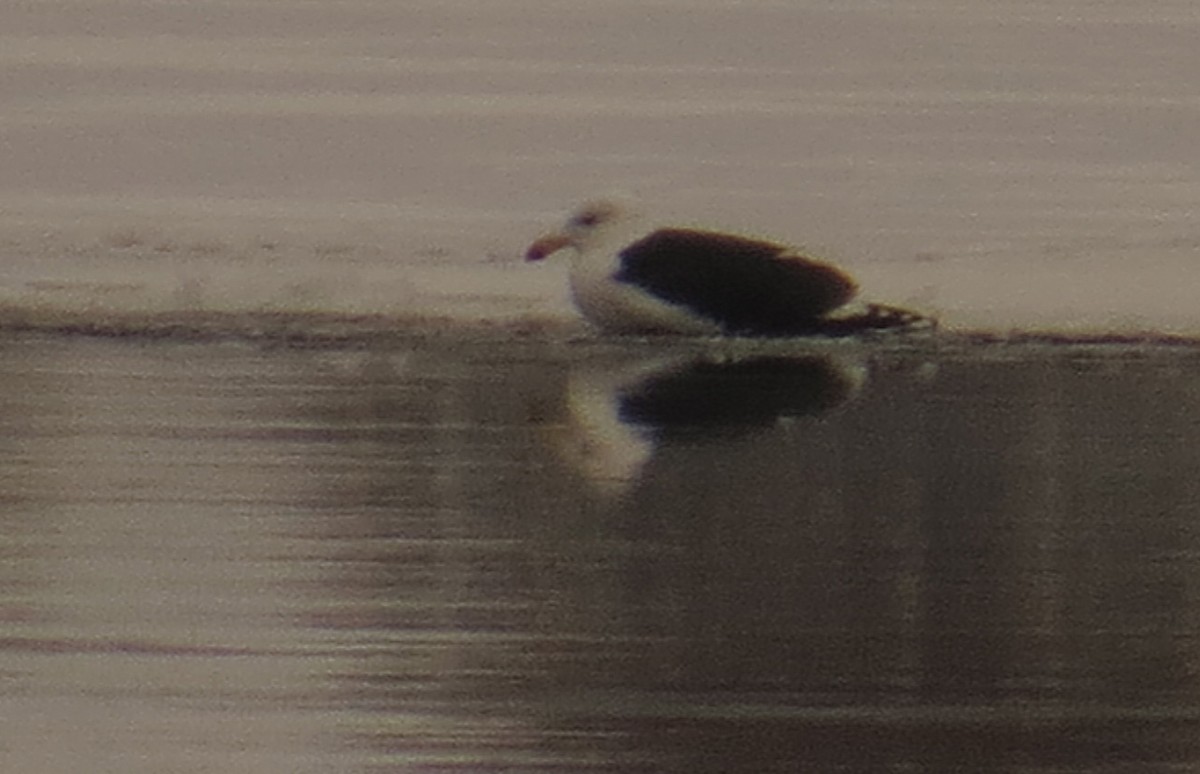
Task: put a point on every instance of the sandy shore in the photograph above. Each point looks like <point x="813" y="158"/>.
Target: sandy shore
<point x="1007" y="170"/>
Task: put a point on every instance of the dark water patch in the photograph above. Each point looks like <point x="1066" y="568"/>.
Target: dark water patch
<point x="468" y="553"/>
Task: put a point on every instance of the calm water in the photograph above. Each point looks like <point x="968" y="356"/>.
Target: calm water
<point x="346" y="487"/>
<point x="477" y="554"/>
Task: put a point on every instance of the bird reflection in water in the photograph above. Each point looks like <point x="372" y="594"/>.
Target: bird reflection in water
<point x="620" y="415"/>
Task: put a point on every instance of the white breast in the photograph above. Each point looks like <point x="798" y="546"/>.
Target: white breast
<point x="621" y="307"/>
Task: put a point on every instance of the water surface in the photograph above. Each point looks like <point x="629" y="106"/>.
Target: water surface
<point x="302" y="470"/>
<point x="480" y="554"/>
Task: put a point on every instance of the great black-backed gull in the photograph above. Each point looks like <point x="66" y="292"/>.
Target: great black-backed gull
<point x="625" y="279"/>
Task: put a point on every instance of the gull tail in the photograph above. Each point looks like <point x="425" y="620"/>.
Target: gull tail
<point x="876" y="317"/>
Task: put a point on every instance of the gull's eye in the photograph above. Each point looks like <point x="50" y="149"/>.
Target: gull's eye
<point x="586" y="219"/>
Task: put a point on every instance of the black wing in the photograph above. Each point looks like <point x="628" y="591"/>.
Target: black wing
<point x="744" y="285"/>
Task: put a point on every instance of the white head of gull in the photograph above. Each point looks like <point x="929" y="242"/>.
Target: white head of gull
<point x="628" y="279"/>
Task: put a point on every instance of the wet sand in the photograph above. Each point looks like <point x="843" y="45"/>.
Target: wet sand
<point x="471" y="554"/>
<point x="1011" y="167"/>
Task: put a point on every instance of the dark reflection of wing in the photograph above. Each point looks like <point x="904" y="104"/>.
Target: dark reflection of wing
<point x="706" y="395"/>
<point x="619" y="413"/>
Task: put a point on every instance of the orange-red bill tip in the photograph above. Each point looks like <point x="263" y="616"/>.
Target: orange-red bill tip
<point x="543" y="247"/>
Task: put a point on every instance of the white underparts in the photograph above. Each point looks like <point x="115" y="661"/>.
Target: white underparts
<point x="622" y="307"/>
